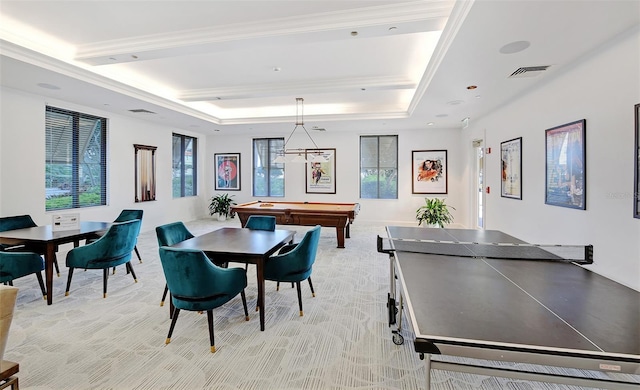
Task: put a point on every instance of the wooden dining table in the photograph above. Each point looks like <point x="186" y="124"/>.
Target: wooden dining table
<point x="43" y="239"/>
<point x="241" y="245"/>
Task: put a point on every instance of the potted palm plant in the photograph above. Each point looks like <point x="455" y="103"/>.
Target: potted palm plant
<point x="221" y="205"/>
<point x="434" y="213"/>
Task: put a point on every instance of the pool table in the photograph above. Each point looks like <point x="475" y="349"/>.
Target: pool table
<point x="338" y="215"/>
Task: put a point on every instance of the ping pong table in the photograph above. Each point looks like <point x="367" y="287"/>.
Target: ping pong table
<point x="541" y="312"/>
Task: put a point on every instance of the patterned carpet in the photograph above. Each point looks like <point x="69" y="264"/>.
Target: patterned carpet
<point x="343" y="341"/>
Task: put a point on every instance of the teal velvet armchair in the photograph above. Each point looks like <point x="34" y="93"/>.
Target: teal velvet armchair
<point x="294" y="262"/>
<point x="14" y="265"/>
<point x="125" y="215"/>
<point x="171" y="234"/>
<point x="21" y="222"/>
<point x="112" y="249"/>
<point x="197" y="284"/>
<point x="261" y="222"/>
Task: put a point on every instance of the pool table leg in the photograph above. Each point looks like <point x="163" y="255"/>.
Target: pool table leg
<point x="340" y="234"/>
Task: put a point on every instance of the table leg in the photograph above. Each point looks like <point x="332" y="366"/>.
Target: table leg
<point x="347" y="229"/>
<point x="427" y="361"/>
<point x="260" y="280"/>
<point x="340" y="233"/>
<point x="49" y="256"/>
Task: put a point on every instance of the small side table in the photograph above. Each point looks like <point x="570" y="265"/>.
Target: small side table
<point x="7" y="370"/>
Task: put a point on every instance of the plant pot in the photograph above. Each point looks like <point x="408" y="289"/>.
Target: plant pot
<point x="222" y="217"/>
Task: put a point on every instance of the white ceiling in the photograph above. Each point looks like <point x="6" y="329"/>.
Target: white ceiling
<point x="365" y="65"/>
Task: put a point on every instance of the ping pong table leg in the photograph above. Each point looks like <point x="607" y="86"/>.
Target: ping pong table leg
<point x="391" y="299"/>
<point x="427" y="362"/>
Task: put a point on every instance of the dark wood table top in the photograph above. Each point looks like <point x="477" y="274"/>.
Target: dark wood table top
<point x="234" y="241"/>
<point x="46" y="234"/>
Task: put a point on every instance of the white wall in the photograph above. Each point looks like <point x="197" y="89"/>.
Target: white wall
<point x="603" y="89"/>
<point x="22" y="164"/>
<point x="347" y="158"/>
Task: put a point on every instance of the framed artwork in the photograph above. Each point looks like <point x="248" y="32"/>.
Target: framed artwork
<point x="227" y="171"/>
<point x="511" y="160"/>
<point x="429" y="171"/>
<point x="636" y="181"/>
<point x="566" y="170"/>
<point x="320" y="176"/>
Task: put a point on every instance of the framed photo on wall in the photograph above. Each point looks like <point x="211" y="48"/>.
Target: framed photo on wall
<point x="227" y="171"/>
<point x="566" y="170"/>
<point x="511" y="160"/>
<point x="320" y="176"/>
<point x="429" y="171"/>
<point x="636" y="181"/>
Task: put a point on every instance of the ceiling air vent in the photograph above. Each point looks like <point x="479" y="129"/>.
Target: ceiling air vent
<point x="528" y="71"/>
<point x="141" y="111"/>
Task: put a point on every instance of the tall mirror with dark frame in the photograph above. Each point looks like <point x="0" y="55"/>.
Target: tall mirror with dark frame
<point x="145" y="172"/>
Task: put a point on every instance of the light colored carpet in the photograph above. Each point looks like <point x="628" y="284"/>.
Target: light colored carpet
<point x="343" y="341"/>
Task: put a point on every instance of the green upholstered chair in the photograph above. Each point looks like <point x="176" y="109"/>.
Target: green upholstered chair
<point x="125" y="215"/>
<point x="197" y="284"/>
<point x="21" y="222"/>
<point x="294" y="262"/>
<point x="14" y="265"/>
<point x="112" y="249"/>
<point x="170" y="234"/>
<point x="261" y="222"/>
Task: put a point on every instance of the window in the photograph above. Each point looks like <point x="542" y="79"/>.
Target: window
<point x="75" y="160"/>
<point x="185" y="167"/>
<point x="379" y="167"/>
<point x="268" y="177"/>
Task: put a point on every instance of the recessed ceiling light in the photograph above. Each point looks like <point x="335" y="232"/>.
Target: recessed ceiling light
<point x="354" y="33"/>
<point x="477" y="96"/>
<point x="430" y="124"/>
<point x="277" y="69"/>
<point x="442" y="115"/>
<point x="135" y="57"/>
<point x="455" y="102"/>
<point x="48" y="86"/>
<point x="393" y="28"/>
<point x="515" y="47"/>
<point x="216" y="129"/>
<point x="471" y="87"/>
<point x="363" y="89"/>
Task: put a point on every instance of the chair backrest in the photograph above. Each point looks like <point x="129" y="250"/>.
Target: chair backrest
<point x="261" y="222"/>
<point x="14" y="265"/>
<point x="172" y="233"/>
<point x="16" y="222"/>
<point x="304" y="254"/>
<point x="189" y="274"/>
<point x="113" y="248"/>
<point x="128" y="215"/>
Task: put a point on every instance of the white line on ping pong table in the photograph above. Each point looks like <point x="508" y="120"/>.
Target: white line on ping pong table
<point x="543" y="305"/>
<point x="486" y="243"/>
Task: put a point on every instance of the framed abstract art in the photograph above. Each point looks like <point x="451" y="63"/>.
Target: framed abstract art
<point x="429" y="171"/>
